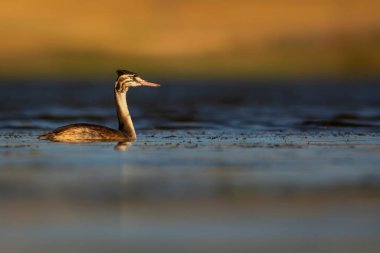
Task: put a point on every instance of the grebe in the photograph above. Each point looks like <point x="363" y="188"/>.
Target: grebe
<point x="76" y="133"/>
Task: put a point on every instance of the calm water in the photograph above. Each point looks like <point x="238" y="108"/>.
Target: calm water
<point x="208" y="105"/>
<point x="219" y="166"/>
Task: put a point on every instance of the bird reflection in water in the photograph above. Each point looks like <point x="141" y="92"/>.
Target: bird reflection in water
<point x="123" y="145"/>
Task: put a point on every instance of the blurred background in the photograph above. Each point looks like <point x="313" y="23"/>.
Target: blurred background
<point x="236" y="163"/>
<point x="179" y="38"/>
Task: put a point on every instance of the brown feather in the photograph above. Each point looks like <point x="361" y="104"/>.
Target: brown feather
<point x="86" y="133"/>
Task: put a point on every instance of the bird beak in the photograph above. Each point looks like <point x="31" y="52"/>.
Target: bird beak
<point x="145" y="83"/>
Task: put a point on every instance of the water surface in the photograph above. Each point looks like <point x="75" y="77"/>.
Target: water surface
<point x="218" y="166"/>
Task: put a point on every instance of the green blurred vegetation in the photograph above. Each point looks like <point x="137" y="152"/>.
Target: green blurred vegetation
<point x="241" y="38"/>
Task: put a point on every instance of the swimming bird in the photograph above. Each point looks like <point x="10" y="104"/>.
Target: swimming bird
<point x="82" y="132"/>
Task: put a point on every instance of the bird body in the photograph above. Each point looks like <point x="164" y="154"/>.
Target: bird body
<point x="83" y="132"/>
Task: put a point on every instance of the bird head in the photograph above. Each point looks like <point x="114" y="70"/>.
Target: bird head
<point x="126" y="79"/>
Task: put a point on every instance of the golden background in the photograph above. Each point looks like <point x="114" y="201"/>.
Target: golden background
<point x="240" y="38"/>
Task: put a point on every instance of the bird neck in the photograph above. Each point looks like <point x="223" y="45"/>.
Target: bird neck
<point x="125" y="120"/>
